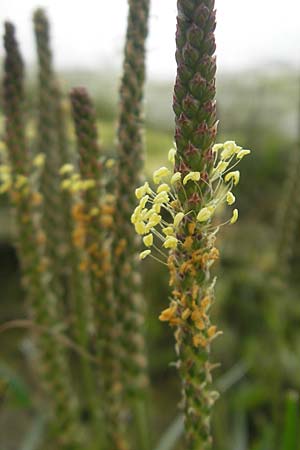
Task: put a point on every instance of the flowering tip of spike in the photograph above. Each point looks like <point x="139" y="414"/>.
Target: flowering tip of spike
<point x="167" y="216"/>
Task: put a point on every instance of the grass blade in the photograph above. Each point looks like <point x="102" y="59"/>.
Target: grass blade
<point x="172" y="434"/>
<point x="240" y="437"/>
<point x="291" y="420"/>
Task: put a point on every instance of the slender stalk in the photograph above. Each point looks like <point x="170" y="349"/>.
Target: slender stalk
<point x="42" y="302"/>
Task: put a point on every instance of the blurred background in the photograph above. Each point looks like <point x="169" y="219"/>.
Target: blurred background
<point x="258" y="305"/>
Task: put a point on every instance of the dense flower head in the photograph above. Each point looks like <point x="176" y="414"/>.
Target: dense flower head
<point x="159" y="216"/>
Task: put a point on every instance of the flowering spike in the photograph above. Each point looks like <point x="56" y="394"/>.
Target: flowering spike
<point x="89" y="214"/>
<point x="31" y="238"/>
<point x="130" y="151"/>
<point x="187" y="229"/>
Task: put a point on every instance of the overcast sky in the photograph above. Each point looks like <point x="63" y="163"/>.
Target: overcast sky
<point x="89" y="33"/>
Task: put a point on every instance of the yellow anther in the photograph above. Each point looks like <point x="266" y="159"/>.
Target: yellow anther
<point x="163" y="188"/>
<point x="144" y="201"/>
<point x="199" y="340"/>
<point x="160" y="173"/>
<point x="192" y="176"/>
<point x="230" y="148"/>
<point x="178" y="218"/>
<point x="235" y="216"/>
<point x="205" y="214"/>
<point x="212" y="331"/>
<point x="162" y="197"/>
<point x="235" y="176"/>
<point x="140" y="228"/>
<point x="217" y="147"/>
<point x="221" y="167"/>
<point x="168" y="231"/>
<point x="167" y="313"/>
<point x="144" y="254"/>
<point x="242" y="153"/>
<point x="230" y="198"/>
<point x="148" y="240"/>
<point x="176" y="177"/>
<point x="142" y="190"/>
<point x="186" y="314"/>
<point x="171" y="155"/>
<point x="155" y="219"/>
<point x="170" y="242"/>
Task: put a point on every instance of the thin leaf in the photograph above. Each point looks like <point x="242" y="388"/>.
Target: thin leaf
<point x="172" y="434"/>
<point x="290" y="430"/>
<point x="233" y="376"/>
<point x="240" y="434"/>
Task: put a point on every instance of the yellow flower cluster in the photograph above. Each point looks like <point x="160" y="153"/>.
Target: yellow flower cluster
<point x="159" y="213"/>
<point x="72" y="181"/>
<point x="19" y="184"/>
<point x="5" y="178"/>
